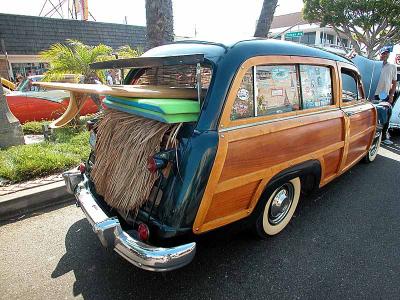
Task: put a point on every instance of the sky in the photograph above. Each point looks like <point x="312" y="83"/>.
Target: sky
<point x="211" y="19"/>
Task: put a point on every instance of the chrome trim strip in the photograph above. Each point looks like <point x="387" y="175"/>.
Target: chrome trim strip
<point x="111" y="235"/>
<point x="255" y="91"/>
<point x="278" y="119"/>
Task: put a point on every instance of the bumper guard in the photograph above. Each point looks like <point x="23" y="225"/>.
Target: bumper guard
<point x="111" y="235"/>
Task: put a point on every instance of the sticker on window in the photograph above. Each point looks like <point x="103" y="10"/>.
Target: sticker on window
<point x="243" y="94"/>
<point x="280" y="73"/>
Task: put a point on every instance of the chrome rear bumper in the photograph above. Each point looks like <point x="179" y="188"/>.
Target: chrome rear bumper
<point x="111" y="235"/>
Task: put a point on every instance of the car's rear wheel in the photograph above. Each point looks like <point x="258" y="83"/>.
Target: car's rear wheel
<point x="279" y="208"/>
<point x="373" y="150"/>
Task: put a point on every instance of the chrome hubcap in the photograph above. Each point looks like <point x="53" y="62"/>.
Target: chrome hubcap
<point x="374" y="148"/>
<point x="281" y="203"/>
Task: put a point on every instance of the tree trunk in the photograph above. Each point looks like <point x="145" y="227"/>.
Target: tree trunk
<point x="159" y="22"/>
<point x="10" y="129"/>
<point x="265" y="19"/>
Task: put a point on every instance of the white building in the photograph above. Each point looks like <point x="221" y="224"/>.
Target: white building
<point x="292" y="27"/>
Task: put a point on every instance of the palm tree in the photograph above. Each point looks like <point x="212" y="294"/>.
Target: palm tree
<point x="265" y="19"/>
<point x="75" y="57"/>
<point x="159" y="22"/>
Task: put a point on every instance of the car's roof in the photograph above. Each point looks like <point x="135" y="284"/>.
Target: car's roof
<point x="242" y="49"/>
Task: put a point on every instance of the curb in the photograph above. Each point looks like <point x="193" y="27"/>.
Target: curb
<point x="34" y="199"/>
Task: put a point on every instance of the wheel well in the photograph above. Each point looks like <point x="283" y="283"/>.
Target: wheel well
<point x="309" y="173"/>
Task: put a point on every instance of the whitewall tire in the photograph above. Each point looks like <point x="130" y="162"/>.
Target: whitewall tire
<point x="373" y="150"/>
<point x="279" y="208"/>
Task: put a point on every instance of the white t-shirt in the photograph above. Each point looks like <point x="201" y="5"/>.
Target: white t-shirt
<point x="109" y="80"/>
<point x="388" y="74"/>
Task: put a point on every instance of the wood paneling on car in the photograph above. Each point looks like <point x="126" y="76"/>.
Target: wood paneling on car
<point x="331" y="163"/>
<point x="231" y="201"/>
<point x="249" y="157"/>
<point x="266" y="150"/>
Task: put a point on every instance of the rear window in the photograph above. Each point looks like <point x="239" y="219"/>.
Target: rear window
<point x="174" y="76"/>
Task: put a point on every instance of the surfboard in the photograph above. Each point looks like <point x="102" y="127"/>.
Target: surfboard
<point x="163" y="106"/>
<point x="158" y="102"/>
<point x="136" y="91"/>
<point x="152" y="114"/>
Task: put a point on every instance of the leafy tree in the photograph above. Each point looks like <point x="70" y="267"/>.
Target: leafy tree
<point x="159" y="22"/>
<point x="75" y="57"/>
<point x="369" y="24"/>
<point x="266" y="17"/>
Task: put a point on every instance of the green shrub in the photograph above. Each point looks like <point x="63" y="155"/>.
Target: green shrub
<point x="34" y="127"/>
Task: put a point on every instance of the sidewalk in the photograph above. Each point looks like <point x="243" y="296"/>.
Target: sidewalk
<point x="14" y="188"/>
<point x="21" y="198"/>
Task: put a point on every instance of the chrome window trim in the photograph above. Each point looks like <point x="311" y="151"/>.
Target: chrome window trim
<point x="255" y="91"/>
<point x="278" y="119"/>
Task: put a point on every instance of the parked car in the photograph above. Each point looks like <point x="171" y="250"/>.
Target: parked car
<point x="394" y="123"/>
<point x="277" y="119"/>
<point x="32" y="103"/>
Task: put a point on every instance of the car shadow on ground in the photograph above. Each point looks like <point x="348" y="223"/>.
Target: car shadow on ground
<point x="321" y="249"/>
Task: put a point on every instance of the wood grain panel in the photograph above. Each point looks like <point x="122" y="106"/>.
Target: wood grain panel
<point x="231" y="201"/>
<point x="361" y="121"/>
<point x="332" y="162"/>
<point x="257" y="153"/>
<point x="357" y="148"/>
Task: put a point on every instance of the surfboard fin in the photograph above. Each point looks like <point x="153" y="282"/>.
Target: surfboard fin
<point x="76" y="102"/>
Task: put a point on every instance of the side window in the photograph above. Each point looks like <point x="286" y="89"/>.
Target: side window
<point x="316" y="86"/>
<point x="277" y="90"/>
<point x="243" y="106"/>
<point x="349" y="86"/>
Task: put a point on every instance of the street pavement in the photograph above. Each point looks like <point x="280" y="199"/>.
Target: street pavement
<point x="343" y="243"/>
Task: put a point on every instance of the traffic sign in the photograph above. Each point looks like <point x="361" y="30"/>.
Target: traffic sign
<point x="294" y="34"/>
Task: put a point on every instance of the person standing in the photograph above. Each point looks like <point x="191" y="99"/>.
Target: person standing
<point x="109" y="78"/>
<point x="386" y="88"/>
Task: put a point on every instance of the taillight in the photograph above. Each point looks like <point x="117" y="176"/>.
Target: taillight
<point x="143" y="232"/>
<point x="154" y="164"/>
<point x="160" y="160"/>
<point x="82" y="168"/>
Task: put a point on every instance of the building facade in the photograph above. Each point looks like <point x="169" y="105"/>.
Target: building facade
<point x="22" y="38"/>
<point x="292" y="27"/>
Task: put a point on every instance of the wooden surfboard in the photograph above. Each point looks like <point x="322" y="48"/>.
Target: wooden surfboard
<point x="79" y="94"/>
<point x="134" y="91"/>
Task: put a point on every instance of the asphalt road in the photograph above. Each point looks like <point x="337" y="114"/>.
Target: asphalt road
<point x="343" y="243"/>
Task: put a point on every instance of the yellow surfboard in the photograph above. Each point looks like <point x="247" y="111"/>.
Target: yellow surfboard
<point x="7" y="84"/>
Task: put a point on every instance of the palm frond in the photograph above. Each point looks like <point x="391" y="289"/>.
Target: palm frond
<point x="128" y="52"/>
<point x="74" y="57"/>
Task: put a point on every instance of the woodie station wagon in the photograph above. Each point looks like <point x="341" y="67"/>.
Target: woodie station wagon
<point x="275" y="119"/>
